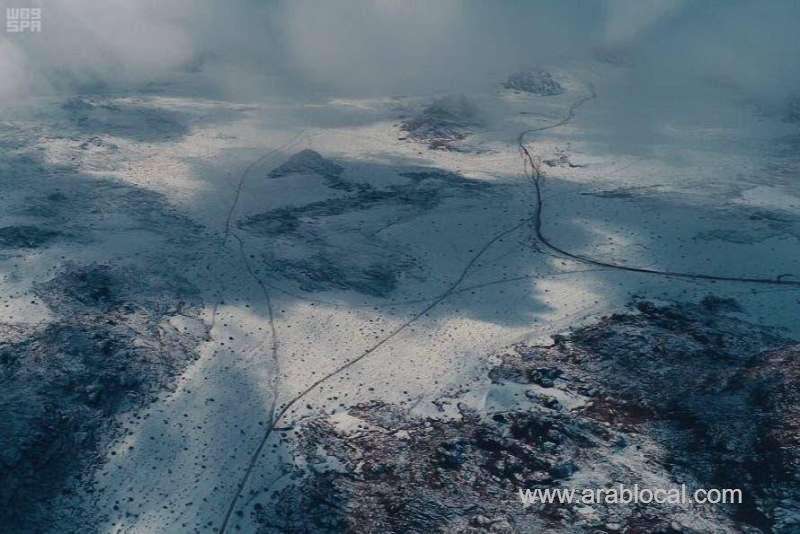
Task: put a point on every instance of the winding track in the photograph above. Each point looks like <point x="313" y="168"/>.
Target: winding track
<point x="533" y="170"/>
<point x="273" y="419"/>
<point x="227" y="229"/>
<point x="285" y="408"/>
<point x="228" y="232"/>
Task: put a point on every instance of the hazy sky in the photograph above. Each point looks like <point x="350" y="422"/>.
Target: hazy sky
<point x="248" y="48"/>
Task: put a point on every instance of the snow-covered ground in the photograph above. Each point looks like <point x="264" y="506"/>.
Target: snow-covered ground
<point x="412" y="262"/>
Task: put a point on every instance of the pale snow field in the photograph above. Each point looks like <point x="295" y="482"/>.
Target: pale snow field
<point x="692" y="202"/>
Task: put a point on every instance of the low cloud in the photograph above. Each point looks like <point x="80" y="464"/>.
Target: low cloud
<point x="254" y="48"/>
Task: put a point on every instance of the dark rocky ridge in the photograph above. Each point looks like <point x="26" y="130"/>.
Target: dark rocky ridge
<point x="670" y="394"/>
<point x="25" y="236"/>
<point x="537" y="81"/>
<point x="309" y="233"/>
<point x="61" y="385"/>
<point x="444" y="123"/>
<point x="311" y="162"/>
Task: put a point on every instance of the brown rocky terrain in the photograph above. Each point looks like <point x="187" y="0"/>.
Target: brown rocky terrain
<point x="659" y="396"/>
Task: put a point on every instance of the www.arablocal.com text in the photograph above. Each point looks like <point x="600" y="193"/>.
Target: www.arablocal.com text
<point x="630" y="495"/>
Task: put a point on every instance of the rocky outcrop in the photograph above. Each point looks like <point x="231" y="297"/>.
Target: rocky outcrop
<point x="661" y="395"/>
<point x="537" y="82"/>
<point x="443" y="123"/>
<point x="120" y="339"/>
